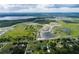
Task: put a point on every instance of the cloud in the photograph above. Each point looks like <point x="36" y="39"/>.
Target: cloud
<point x="39" y="8"/>
<point x="63" y="5"/>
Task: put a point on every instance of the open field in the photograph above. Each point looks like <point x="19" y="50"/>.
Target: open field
<point x="71" y="29"/>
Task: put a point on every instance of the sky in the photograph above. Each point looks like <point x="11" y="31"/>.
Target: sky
<point x="31" y="8"/>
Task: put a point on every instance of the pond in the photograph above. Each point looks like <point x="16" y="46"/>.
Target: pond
<point x="66" y="30"/>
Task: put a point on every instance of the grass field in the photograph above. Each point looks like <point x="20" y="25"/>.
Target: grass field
<point x="66" y="29"/>
<point x="21" y="31"/>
